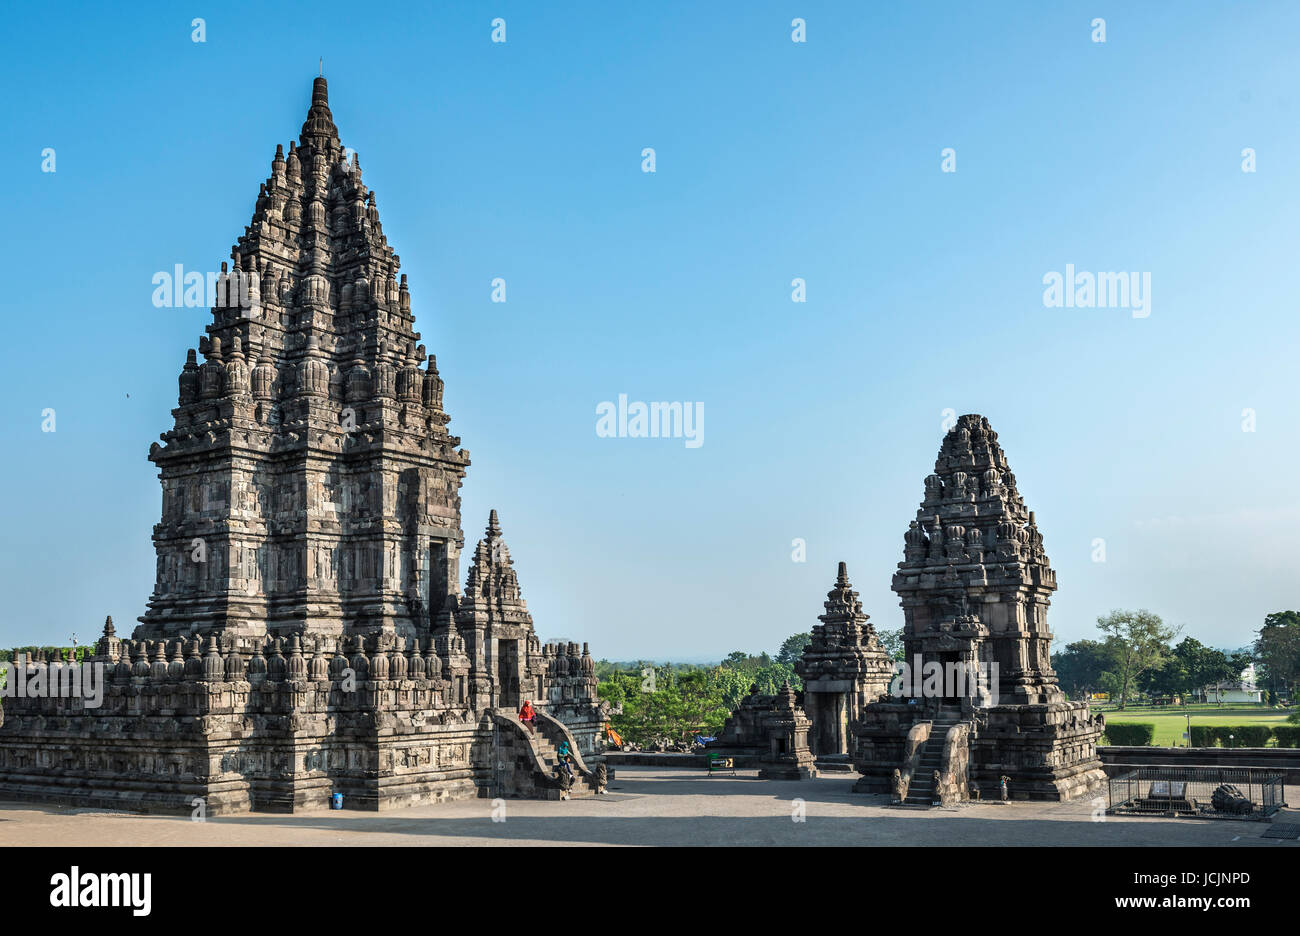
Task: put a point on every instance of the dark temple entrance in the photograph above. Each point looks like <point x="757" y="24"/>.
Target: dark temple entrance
<point x="508" y="673"/>
<point x="953" y="684"/>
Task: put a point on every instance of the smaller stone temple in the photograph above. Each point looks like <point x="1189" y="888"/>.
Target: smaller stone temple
<point x="979" y="700"/>
<point x="771" y="730"/>
<point x="843" y="669"/>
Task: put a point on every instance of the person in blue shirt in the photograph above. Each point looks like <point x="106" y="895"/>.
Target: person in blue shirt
<point x="566" y="758"/>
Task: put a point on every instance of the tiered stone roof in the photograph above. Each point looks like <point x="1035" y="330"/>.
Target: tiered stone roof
<point x="972" y="516"/>
<point x="844" y="645"/>
<point x="974" y="566"/>
<point x="310" y="455"/>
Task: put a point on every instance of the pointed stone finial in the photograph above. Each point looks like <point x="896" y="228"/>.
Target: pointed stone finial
<point x="842" y="578"/>
<point x="319" y="130"/>
<point x="109" y="630"/>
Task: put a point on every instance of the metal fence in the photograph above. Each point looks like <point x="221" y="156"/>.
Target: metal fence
<point x="1197" y="792"/>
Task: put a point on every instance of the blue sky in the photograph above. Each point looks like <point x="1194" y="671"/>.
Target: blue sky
<point x="774" y="160"/>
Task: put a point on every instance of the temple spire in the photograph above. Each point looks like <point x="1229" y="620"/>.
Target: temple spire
<point x="319" y="130"/>
<point x="324" y="341"/>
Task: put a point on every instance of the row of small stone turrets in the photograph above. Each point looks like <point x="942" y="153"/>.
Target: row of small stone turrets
<point x="179" y="659"/>
<point x="956" y="542"/>
<point x="396" y="376"/>
<point x="562" y="660"/>
<point x="283" y="658"/>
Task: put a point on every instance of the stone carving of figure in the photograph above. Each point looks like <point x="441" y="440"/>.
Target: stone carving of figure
<point x="562" y="780"/>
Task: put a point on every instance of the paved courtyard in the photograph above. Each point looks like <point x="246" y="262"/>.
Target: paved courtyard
<point x="649" y="806"/>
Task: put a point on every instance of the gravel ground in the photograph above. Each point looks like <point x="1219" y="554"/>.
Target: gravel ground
<point x="650" y="806"/>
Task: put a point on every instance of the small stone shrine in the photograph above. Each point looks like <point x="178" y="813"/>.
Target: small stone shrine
<point x="771" y="730"/>
<point x="843" y="668"/>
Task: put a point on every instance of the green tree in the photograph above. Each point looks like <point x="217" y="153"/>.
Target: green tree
<point x="739" y="671"/>
<point x="702" y="709"/>
<point x="1277" y="650"/>
<point x="734" y="684"/>
<point x="676" y="700"/>
<point x="1169" y="678"/>
<point x="892" y="641"/>
<point x="1080" y="667"/>
<point x="792" y="647"/>
<point x="1138" y="641"/>
<point x="1192" y="666"/>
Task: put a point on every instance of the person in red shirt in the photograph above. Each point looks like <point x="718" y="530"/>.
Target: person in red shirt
<point x="527" y="715"/>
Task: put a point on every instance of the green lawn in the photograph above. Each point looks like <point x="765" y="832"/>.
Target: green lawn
<point x="1172" y="722"/>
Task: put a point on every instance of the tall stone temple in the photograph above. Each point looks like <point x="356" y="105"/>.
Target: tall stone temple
<point x="307" y="634"/>
<point x="975" y="585"/>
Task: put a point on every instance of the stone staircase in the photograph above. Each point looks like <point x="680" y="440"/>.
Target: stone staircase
<point x="548" y="756"/>
<point x="920" y="791"/>
<point x="534" y="756"/>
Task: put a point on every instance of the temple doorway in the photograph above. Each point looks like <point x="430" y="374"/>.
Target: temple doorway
<point x="953" y="690"/>
<point x="827" y="711"/>
<point x="508" y="673"/>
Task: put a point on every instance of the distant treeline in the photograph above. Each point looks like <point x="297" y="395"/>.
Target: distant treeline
<point x="49" y="653"/>
<point x="1137" y="659"/>
<point x="679" y="700"/>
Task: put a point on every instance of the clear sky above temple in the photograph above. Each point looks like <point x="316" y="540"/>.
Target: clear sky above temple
<point x="774" y="160"/>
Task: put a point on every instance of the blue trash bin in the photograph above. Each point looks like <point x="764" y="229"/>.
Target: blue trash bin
<point x="336" y="801"/>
